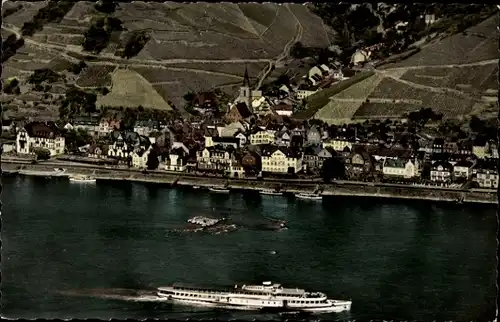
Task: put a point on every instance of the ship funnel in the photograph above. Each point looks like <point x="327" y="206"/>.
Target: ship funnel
<point x="267" y="283"/>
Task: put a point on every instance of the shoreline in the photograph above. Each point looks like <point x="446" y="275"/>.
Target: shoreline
<point x="336" y="188"/>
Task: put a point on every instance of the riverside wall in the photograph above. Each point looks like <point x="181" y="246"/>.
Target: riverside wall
<point x="333" y="189"/>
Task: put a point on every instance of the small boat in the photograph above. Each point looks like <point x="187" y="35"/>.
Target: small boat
<point x="196" y="187"/>
<point x="309" y="196"/>
<point x="82" y="179"/>
<point x="218" y="190"/>
<point x="270" y="192"/>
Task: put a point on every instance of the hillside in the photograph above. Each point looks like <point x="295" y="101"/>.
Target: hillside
<point x="455" y="76"/>
<point x="188" y="47"/>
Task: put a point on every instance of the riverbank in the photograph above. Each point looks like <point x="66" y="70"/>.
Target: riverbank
<point x="338" y="188"/>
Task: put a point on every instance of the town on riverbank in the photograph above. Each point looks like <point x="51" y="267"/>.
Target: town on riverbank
<point x="421" y="157"/>
<point x="269" y="134"/>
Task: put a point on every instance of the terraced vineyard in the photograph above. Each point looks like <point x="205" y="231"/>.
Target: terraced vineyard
<point x="459" y="48"/>
<point x="96" y="76"/>
<point x="477" y="78"/>
<point x="338" y="111"/>
<point x="173" y="85"/>
<point x="131" y="90"/>
<point x="26" y="13"/>
<point x="383" y="110"/>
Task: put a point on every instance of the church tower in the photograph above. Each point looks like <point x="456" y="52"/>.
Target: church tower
<point x="246" y="91"/>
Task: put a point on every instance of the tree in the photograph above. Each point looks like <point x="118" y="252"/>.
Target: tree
<point x="333" y="168"/>
<point x="42" y="154"/>
<point x="189" y="97"/>
<point x="153" y="162"/>
<point x="135" y="44"/>
<point x="105" y="6"/>
<point x="476" y="124"/>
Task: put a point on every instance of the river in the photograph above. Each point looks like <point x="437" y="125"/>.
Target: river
<point x="396" y="260"/>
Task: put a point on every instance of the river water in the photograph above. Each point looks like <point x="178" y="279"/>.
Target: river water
<point x="402" y="261"/>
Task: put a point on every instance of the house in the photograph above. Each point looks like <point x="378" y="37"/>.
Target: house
<point x="251" y="162"/>
<point x="463" y="169"/>
<point x="159" y="137"/>
<point x="7" y="146"/>
<point x="358" y="164"/>
<point x="360" y="56"/>
<point x="204" y="101"/>
<point x="281" y="160"/>
<point x="338" y="144"/>
<point x="233" y="128"/>
<point x="177" y="159"/>
<point x="97" y="151"/>
<point x="314" y="136"/>
<point x="125" y="143"/>
<point x="225" y="142"/>
<point x="242" y="138"/>
<point x="283" y="109"/>
<point x="486" y="174"/>
<point x="437" y="146"/>
<point x="86" y="123"/>
<point x="450" y="147"/>
<point x="314" y="156"/>
<point x="140" y="157"/>
<point x="215" y="159"/>
<point x="305" y="93"/>
<point x="36" y="135"/>
<point x="282" y="138"/>
<point x="400" y="168"/>
<point x="7" y="125"/>
<point x="107" y="125"/>
<point x="429" y="19"/>
<point x="238" y="112"/>
<point x="261" y="136"/>
<point x="145" y="127"/>
<point x="441" y="171"/>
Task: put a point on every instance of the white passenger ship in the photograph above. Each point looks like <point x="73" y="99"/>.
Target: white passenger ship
<point x="254" y="297"/>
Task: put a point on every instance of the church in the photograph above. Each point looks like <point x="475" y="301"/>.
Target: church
<point x="247" y="95"/>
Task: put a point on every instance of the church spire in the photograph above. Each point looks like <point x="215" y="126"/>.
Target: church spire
<point x="246" y="79"/>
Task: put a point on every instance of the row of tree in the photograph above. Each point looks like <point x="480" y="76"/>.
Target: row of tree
<point x="10" y="46"/>
<point x="97" y="37"/>
<point x="53" y="12"/>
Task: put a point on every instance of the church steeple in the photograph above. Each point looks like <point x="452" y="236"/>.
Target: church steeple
<point x="246" y="79"/>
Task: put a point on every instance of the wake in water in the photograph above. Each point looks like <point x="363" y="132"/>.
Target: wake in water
<point x="122" y="294"/>
<point x="133" y="295"/>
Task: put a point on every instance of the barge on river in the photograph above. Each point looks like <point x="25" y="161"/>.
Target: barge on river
<point x="267" y="296"/>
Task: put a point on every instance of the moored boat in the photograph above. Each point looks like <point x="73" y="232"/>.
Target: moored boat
<point x="270" y="192"/>
<point x="218" y="190"/>
<point x="82" y="179"/>
<point x="267" y="296"/>
<point x="309" y="196"/>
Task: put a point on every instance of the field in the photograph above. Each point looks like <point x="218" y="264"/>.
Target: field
<point x="218" y="31"/>
<point x="337" y="112"/>
<point x="315" y="34"/>
<point x="383" y="110"/>
<point x="173" y="85"/>
<point x="27" y="12"/>
<point x="459" y="48"/>
<point x="449" y="104"/>
<point x="130" y="89"/>
<point x="96" y="76"/>
<point x="477" y="78"/>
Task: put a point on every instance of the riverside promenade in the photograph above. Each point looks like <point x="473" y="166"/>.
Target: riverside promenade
<point x="335" y="188"/>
